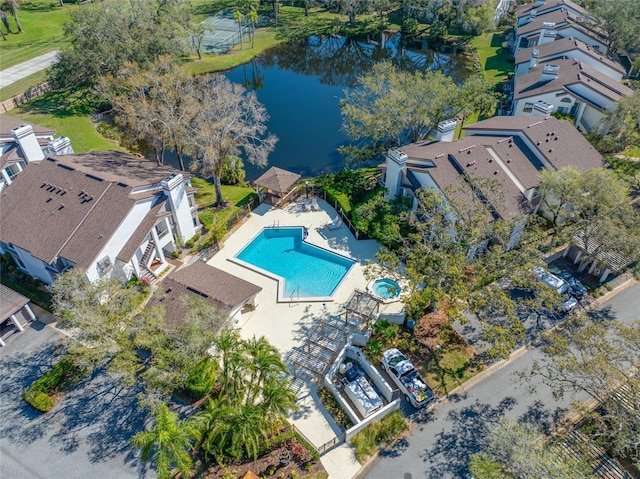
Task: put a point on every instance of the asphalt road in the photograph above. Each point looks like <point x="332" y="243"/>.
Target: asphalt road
<point x="441" y="442"/>
<point x="87" y="433"/>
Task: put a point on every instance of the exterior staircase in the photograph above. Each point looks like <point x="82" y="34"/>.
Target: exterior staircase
<point x="147" y="253"/>
<point x="147" y="276"/>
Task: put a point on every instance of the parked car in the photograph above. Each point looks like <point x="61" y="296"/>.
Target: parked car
<point x="568" y="303"/>
<point x="551" y="280"/>
<point x="577" y="289"/>
<point x="407" y="378"/>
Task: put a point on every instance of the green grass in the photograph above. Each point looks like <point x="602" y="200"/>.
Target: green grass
<point x="23" y="85"/>
<point x="237" y="196"/>
<point x="42" y="22"/>
<point x="633" y="152"/>
<point x="68" y="115"/>
<point x="493" y="59"/>
<point x="378" y="433"/>
<point x="265" y="38"/>
<point x="446" y="369"/>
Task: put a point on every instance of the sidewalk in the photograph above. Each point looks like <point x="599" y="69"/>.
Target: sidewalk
<point x="24" y="69"/>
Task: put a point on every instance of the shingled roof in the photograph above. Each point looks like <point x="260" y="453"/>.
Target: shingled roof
<point x="8" y="123"/>
<point x="557" y="141"/>
<point x="51" y="210"/>
<point x="10" y="302"/>
<point x="571" y="72"/>
<point x="276" y="179"/>
<point x="227" y="290"/>
<point x="118" y="167"/>
<point x="562" y="46"/>
<point x="221" y="289"/>
<point x="548" y="6"/>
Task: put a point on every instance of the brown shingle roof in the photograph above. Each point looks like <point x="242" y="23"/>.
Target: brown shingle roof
<point x="277" y="179"/>
<point x="445" y="162"/>
<point x="569" y="148"/>
<point x="10" y="302"/>
<point x="548" y="6"/>
<point x="562" y="47"/>
<point x="118" y="167"/>
<point x="51" y="210"/>
<point x="224" y="288"/>
<point x="562" y="19"/>
<point x="128" y="250"/>
<point x="8" y="123"/>
<point x="572" y="72"/>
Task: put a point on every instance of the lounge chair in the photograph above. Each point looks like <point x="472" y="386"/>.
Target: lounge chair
<point x="335" y="223"/>
<point x="314" y="204"/>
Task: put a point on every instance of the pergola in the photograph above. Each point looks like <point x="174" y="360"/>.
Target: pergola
<point x="362" y="304"/>
<point x="278" y="183"/>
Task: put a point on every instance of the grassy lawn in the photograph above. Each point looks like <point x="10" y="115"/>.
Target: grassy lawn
<point x="42" y="22"/>
<point x="492" y="59"/>
<point x="69" y="116"/>
<point x="633" y="152"/>
<point x="23" y="85"/>
<point x="237" y="196"/>
<point x="447" y="368"/>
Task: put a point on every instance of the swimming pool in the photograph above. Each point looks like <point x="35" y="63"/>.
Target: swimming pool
<point x="303" y="270"/>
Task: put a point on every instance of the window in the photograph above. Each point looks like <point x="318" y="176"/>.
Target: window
<point x="566" y="99"/>
<point x="563" y="110"/>
<point x="528" y="108"/>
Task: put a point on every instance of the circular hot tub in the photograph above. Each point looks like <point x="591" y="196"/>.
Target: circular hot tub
<point x="388" y="290"/>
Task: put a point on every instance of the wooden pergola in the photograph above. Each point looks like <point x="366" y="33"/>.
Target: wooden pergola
<point x="278" y="184"/>
<point x="363" y="305"/>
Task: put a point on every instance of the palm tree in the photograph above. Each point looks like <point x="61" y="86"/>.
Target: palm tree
<point x="170" y="441"/>
<point x="252" y="16"/>
<point x="263" y="360"/>
<point x="239" y="16"/>
<point x="233" y="431"/>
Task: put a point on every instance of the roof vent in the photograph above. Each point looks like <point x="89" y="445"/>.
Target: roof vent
<point x="508" y="160"/>
<point x="550" y="150"/>
<point x="490" y="160"/>
<point x="495" y="172"/>
<point x="50" y="198"/>
<point x="471" y="163"/>
<point x="61" y="206"/>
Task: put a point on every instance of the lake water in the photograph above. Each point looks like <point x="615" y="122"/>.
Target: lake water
<point x="301" y="84"/>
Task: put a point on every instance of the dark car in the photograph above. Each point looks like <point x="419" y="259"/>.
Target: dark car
<point x="576" y="288"/>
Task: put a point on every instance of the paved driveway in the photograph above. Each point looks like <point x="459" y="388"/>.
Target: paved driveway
<point x="87" y="433"/>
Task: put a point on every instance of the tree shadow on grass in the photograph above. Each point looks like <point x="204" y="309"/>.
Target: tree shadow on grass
<point x="61" y="104"/>
<point x="449" y="457"/>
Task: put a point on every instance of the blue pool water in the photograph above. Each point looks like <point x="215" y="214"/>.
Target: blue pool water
<point x="386" y="288"/>
<point x="307" y="270"/>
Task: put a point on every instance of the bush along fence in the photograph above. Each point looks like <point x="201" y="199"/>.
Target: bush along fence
<point x="345" y="219"/>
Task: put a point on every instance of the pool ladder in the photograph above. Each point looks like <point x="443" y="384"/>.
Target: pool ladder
<point x="297" y="290"/>
<point x="276" y="224"/>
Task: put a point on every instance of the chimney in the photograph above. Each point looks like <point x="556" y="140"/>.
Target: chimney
<point x="534" y="58"/>
<point x="541" y="108"/>
<point x="549" y="72"/>
<point x="446" y="129"/>
<point x="60" y="146"/>
<point x="532" y="15"/>
<point x="174" y="189"/>
<point x="28" y="142"/>
<point x="396" y="163"/>
<point x="548" y="33"/>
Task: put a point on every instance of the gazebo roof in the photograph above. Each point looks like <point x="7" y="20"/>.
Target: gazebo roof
<point x="278" y="180"/>
<point x="363" y="304"/>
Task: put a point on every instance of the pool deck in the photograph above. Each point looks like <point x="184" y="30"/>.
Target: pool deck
<point x="287" y="325"/>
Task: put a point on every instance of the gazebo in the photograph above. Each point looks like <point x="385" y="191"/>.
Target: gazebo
<point x="278" y="184"/>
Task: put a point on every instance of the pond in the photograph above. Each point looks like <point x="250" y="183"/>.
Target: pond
<point x="301" y="84"/>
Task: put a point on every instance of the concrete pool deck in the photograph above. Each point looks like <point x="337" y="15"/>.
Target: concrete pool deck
<point x="287" y="325"/>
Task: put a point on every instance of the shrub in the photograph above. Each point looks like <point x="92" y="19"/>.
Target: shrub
<point x="378" y="433"/>
<point x="341" y="418"/>
<point x="63" y="376"/>
<point x="39" y="400"/>
<point x="202" y="378"/>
